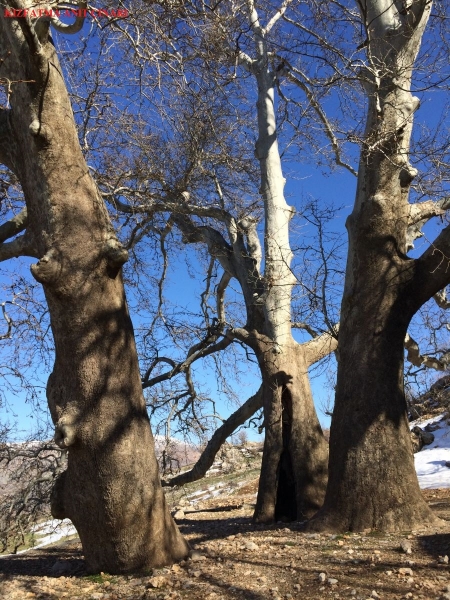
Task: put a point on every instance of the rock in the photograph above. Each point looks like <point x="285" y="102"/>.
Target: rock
<point x="420" y="438"/>
<point x="427" y="437"/>
<point x="432" y="427"/>
<point x="179" y="515"/>
<point x="322" y="577"/>
<point x="405" y="571"/>
<point x="416" y="442"/>
<point x="332" y="581"/>
<point x="61" y="567"/>
<point x="195" y="555"/>
<point x="157" y="582"/>
<point x="374" y="594"/>
<point x="251" y="546"/>
<point x="443" y="560"/>
<point x="406" y="547"/>
<point x="447" y="464"/>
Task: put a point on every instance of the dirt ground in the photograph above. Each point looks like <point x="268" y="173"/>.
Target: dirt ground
<point x="235" y="559"/>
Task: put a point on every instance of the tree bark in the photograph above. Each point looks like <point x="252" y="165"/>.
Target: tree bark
<point x="372" y="480"/>
<point x="294" y="465"/>
<point x="111" y="489"/>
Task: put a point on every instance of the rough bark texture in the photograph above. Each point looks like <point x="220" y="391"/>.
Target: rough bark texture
<point x="372" y="481"/>
<point x="294" y="466"/>
<point x="111" y="489"/>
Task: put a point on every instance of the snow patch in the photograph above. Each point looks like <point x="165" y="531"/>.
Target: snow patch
<point x="430" y="462"/>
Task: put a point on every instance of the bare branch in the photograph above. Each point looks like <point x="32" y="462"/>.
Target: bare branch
<point x="248" y="224"/>
<point x="424" y="211"/>
<point x="301" y="80"/>
<point x="8" y="320"/>
<point x="225" y="280"/>
<point x="441" y="299"/>
<point x="74" y="27"/>
<point x="204" y="348"/>
<point x="312" y="332"/>
<point x="14" y="226"/>
<point x="422" y="360"/>
<point x="277" y="16"/>
<point x="21" y="246"/>
<point x="420" y="214"/>
<point x="245" y="61"/>
<point x="220" y="435"/>
<point x="321" y="346"/>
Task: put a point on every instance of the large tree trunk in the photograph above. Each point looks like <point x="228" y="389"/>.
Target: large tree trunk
<point x="111" y="489"/>
<point x="294" y="467"/>
<point x="372" y="481"/>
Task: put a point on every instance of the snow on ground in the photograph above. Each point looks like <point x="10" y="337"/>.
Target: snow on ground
<point x="431" y="461"/>
<point x="49" y="532"/>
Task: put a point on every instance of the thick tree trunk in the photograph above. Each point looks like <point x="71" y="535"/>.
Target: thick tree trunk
<point x="111" y="489"/>
<point x="294" y="467"/>
<point x="372" y="480"/>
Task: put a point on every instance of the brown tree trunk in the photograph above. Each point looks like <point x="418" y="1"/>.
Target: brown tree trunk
<point x="111" y="489"/>
<point x="294" y="467"/>
<point x="372" y="480"/>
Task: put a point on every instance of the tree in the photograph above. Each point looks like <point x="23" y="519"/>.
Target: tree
<point x="111" y="488"/>
<point x="293" y="475"/>
<point x="372" y="481"/>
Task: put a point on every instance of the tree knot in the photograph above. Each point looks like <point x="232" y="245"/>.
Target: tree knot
<point x="48" y="269"/>
<point x="116" y="254"/>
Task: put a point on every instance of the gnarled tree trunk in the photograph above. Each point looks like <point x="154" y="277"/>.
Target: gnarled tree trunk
<point x="294" y="467"/>
<point x="372" y="481"/>
<point x="111" y="489"/>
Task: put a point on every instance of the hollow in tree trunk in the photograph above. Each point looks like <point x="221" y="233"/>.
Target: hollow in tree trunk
<point x="294" y="467"/>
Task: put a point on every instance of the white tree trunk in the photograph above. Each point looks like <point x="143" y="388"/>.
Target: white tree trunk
<point x="279" y="279"/>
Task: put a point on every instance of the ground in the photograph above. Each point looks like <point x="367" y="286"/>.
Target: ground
<point x="234" y="559"/>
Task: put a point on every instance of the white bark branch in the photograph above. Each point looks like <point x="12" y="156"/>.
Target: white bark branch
<point x="254" y="249"/>
<point x="306" y="327"/>
<point x="220" y="294"/>
<point x="21" y="246"/>
<point x="277" y="16"/>
<point x="420" y="214"/>
<point x="321" y="346"/>
<point x="423" y="360"/>
<point x="441" y="299"/>
<point x="424" y="211"/>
